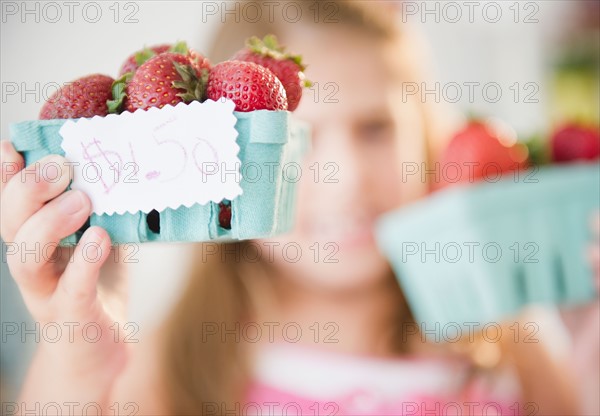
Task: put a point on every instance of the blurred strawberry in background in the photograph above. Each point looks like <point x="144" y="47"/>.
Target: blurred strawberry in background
<point x="575" y="142"/>
<point x="481" y="150"/>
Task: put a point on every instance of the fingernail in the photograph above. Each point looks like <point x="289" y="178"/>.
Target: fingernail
<point x="72" y="202"/>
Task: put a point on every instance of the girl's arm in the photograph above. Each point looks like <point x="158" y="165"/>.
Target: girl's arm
<point x="59" y="286"/>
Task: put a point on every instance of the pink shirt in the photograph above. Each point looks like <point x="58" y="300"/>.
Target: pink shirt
<point x="294" y="380"/>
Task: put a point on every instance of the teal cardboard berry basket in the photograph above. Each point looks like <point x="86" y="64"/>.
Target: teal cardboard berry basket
<point x="265" y="208"/>
<point x="479" y="253"/>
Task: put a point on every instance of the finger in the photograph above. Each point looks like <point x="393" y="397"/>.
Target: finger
<point x="35" y="264"/>
<point x="11" y="162"/>
<point x="26" y="193"/>
<point x="77" y="286"/>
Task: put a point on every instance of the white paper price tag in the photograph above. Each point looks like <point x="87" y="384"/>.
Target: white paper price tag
<point x="155" y="159"/>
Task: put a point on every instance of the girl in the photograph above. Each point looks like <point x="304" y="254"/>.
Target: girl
<point x="354" y="351"/>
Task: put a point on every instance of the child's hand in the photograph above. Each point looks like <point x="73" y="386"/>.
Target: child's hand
<point x="58" y="285"/>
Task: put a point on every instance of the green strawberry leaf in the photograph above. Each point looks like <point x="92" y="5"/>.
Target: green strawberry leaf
<point x="306" y="83"/>
<point x="202" y="85"/>
<point x="270" y="42"/>
<point x="143" y="55"/>
<point x="539" y="153"/>
<point x="269" y="46"/>
<point x="193" y="87"/>
<point x="255" y="45"/>
<point x="297" y="60"/>
<point x="180" y="47"/>
<point x="119" y="86"/>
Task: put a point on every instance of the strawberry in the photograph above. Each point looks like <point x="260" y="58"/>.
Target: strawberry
<point x="477" y="152"/>
<point x="225" y="214"/>
<point x="250" y="86"/>
<point x="168" y="78"/>
<point x="575" y="142"/>
<point x="84" y="97"/>
<point x="288" y="68"/>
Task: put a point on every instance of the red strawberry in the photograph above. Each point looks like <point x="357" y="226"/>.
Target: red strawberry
<point x="84" y="97"/>
<point x="133" y="62"/>
<point x="168" y="78"/>
<point x="250" y="86"/>
<point x="575" y="142"/>
<point x="478" y="152"/>
<point x="225" y="214"/>
<point x="288" y="68"/>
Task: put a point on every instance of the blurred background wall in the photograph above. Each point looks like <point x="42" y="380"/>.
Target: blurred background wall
<point x="540" y="56"/>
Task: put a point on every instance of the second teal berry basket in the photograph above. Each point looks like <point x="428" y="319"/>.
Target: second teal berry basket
<point x="479" y="253"/>
<point x="265" y="208"/>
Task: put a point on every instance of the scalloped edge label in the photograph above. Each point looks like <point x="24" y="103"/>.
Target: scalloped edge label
<point x="156" y="159"/>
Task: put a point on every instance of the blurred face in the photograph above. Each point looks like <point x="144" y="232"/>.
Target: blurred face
<point x="361" y="134"/>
